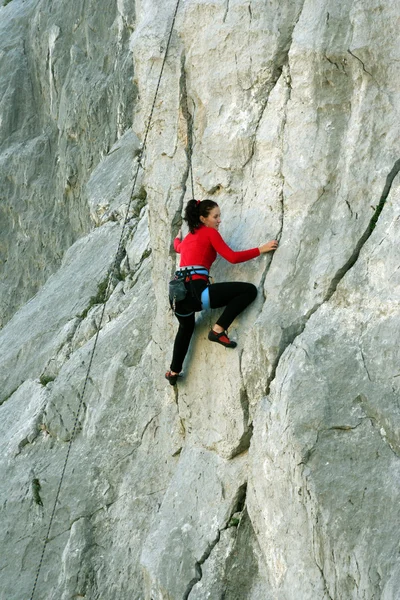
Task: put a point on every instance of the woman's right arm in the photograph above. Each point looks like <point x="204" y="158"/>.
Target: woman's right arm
<point x="178" y="241"/>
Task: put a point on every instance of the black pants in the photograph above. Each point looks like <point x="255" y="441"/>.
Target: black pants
<point x="235" y="296"/>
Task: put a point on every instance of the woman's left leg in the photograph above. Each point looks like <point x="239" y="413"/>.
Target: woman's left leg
<point x="182" y="341"/>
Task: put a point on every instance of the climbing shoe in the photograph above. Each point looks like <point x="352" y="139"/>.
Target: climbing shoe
<point x="221" y="338"/>
<point x="172" y="377"/>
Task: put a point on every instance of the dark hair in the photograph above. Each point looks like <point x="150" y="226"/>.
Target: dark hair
<point x="196" y="209"/>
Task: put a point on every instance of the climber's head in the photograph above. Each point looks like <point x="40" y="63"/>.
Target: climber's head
<point x="204" y="212"/>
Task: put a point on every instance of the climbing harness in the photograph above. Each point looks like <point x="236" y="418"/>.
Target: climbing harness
<point x="182" y="283"/>
<point x="107" y="294"/>
<point x="177" y="288"/>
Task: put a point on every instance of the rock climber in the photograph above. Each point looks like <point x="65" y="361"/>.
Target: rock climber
<point x="198" y="251"/>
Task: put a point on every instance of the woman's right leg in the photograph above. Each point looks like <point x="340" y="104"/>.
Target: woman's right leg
<point x="235" y="296"/>
<point x="182" y="341"/>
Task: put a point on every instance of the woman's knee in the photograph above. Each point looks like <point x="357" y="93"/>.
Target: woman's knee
<point x="252" y="291"/>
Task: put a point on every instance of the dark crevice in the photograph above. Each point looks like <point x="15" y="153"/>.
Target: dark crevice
<point x="198" y="565"/>
<point x="188" y="172"/>
<point x="226" y="11"/>
<point x="10" y="393"/>
<point x="239" y="505"/>
<point x="268" y="89"/>
<point x="360" y="61"/>
<point x="279" y="60"/>
<point x="365" y="364"/>
<point x="240" y="501"/>
<point x="244" y="442"/>
<point x="281" y="194"/>
<point x="340" y="428"/>
<point x="326" y="590"/>
<point x="184" y="103"/>
<point x="289" y="334"/>
<point x="371" y="226"/>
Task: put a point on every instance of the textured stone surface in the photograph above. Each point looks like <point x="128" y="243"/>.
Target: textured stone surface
<point x="66" y="94"/>
<point x="200" y="501"/>
<point x="271" y="472"/>
<point x="327" y="438"/>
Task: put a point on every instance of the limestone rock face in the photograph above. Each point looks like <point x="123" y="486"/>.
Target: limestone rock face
<point x="271" y="472"/>
<point x="66" y="95"/>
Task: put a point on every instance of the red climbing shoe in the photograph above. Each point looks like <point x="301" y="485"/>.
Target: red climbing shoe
<point x="221" y="338"/>
<point x="172" y="377"/>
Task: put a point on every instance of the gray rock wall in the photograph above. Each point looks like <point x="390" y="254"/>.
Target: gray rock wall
<point x="66" y="95"/>
<point x="271" y="472"/>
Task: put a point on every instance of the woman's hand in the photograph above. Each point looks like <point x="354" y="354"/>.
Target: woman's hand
<point x="268" y="247"/>
<point x="179" y="234"/>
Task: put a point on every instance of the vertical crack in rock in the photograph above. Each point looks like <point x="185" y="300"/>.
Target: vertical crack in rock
<point x="280" y="60"/>
<point x="365" y="364"/>
<point x="184" y="101"/>
<point x="386" y="432"/>
<point x="226" y="11"/>
<point x="239" y="505"/>
<point x="289" y="334"/>
<point x="269" y="86"/>
<point x="188" y="118"/>
<point x="198" y="565"/>
<point x="281" y="194"/>
<point x="177" y="218"/>
<point x="244" y="442"/>
<point x="371" y="226"/>
<point x="362" y="63"/>
<point x="326" y="589"/>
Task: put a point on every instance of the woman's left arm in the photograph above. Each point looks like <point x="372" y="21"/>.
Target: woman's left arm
<point x="226" y="252"/>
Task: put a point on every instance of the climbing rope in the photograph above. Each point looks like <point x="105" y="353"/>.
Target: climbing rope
<point x="110" y="275"/>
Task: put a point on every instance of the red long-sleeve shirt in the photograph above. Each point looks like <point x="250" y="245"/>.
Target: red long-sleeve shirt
<point x="201" y="248"/>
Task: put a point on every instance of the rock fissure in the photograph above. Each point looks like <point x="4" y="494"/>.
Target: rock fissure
<point x="89" y="516"/>
<point x="244" y="442"/>
<point x="289" y="334"/>
<point x="362" y="63"/>
<point x="365" y="364"/>
<point x="198" y="565"/>
<point x="332" y="62"/>
<point x="11" y="394"/>
<point x="345" y="428"/>
<point x="188" y="172"/>
<point x="189" y="119"/>
<point x="269" y="86"/>
<point x="325" y="583"/>
<point x="148" y="425"/>
<point x="232" y="521"/>
<point x="281" y="176"/>
<point x="226" y="11"/>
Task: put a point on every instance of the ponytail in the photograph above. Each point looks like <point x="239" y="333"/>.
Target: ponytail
<point x="196" y="209"/>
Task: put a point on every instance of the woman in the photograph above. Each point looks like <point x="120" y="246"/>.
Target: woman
<point x="198" y="251"/>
